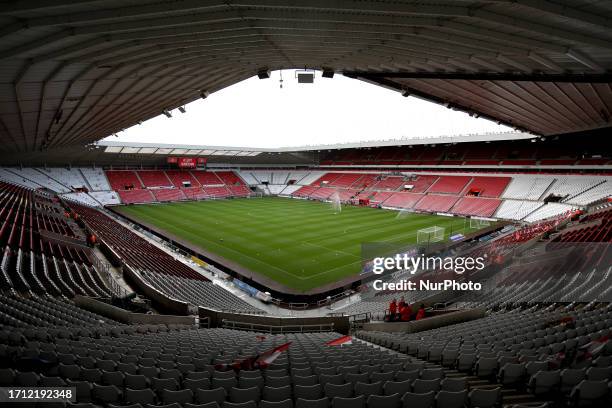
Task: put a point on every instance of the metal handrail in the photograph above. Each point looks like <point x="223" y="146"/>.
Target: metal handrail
<point x="272" y="329"/>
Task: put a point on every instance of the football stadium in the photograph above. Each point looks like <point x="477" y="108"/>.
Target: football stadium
<point x="427" y="270"/>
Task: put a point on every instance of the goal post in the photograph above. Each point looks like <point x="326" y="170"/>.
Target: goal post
<point x="430" y="234"/>
<point x="478" y="223"/>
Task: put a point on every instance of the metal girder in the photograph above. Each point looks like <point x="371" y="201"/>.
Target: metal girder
<point x="563" y="11"/>
<point x="483" y="76"/>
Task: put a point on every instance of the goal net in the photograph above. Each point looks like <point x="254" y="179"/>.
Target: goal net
<point x="476" y="223"/>
<point x="430" y="234"/>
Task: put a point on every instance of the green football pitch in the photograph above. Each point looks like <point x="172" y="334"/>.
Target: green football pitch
<point x="300" y="244"/>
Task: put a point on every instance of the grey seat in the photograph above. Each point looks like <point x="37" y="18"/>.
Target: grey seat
<point x="202" y="383"/>
<point x="300" y="380"/>
<point x="485" y="398"/>
<point x="160" y="384"/>
<point x="83" y="390"/>
<point x="308" y="392"/>
<point x="346" y="402"/>
<point x="407" y="375"/>
<point x="312" y="403"/>
<point x="599" y="373"/>
<point x="68" y="371"/>
<point x="217" y="395"/>
<point x="227" y="383"/>
<point x="354" y="378"/>
<point x="432" y="374"/>
<point x="336" y="379"/>
<point x="418" y="400"/>
<point x="423" y="386"/>
<point x="288" y="403"/>
<point x="146" y="396"/>
<point x="339" y="390"/>
<point x="454" y="384"/>
<point x="26" y="379"/>
<point x="246" y="404"/>
<point x="485" y="366"/>
<point x="136" y="382"/>
<point x="397" y="387"/>
<point x="92" y="375"/>
<point x="589" y="393"/>
<point x="544" y="382"/>
<point x="113" y="378"/>
<point x="452" y="399"/>
<point x="512" y="373"/>
<point x="571" y="377"/>
<point x="277" y="394"/>
<point x="245" y="394"/>
<point x="212" y="404"/>
<point x="278" y="381"/>
<point x="384" y="401"/>
<point x="179" y="397"/>
<point x="366" y="389"/>
<point x="51" y="382"/>
<point x="106" y="394"/>
<point x="382" y="376"/>
<point x="246" y="382"/>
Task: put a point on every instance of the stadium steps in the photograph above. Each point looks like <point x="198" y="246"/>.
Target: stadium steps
<point x="89" y="187"/>
<point x="114" y="272"/>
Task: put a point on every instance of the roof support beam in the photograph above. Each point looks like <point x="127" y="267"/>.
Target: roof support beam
<point x="483" y="76"/>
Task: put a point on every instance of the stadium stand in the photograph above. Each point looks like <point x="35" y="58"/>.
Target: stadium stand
<point x="154" y="178"/>
<point x="123" y="180"/>
<point x="449" y="184"/>
<point x="484" y="207"/>
<point x="436" y="203"/>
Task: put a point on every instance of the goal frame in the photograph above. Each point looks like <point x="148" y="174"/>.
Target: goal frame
<point x="430" y="235"/>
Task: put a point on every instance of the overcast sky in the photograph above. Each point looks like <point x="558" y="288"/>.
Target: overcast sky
<point x="258" y="113"/>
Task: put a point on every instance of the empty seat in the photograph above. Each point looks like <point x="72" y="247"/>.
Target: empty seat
<point x="113" y="378"/>
<point x="571" y="377"/>
<point x="432" y="374"/>
<point x="244" y="394"/>
<point x="136" y="382"/>
<point x="277" y="394"/>
<point x="544" y="382"/>
<point x="179" y="397"/>
<point x="590" y="393"/>
<point x="397" y="387"/>
<point x="511" y="373"/>
<point x="338" y="390"/>
<point x="299" y="380"/>
<point x="452" y="399"/>
<point x="454" y="384"/>
<point x="407" y="375"/>
<point x="217" y="395"/>
<point x="418" y="400"/>
<point x="366" y="389"/>
<point x="288" y="403"/>
<point x="107" y="394"/>
<point x="226" y="383"/>
<point x="251" y="382"/>
<point x="191" y="384"/>
<point x="382" y="376"/>
<point x="144" y="396"/>
<point x="312" y="403"/>
<point x="308" y="392"/>
<point x="424" y="386"/>
<point x="160" y="384"/>
<point x="485" y="398"/>
<point x="347" y="402"/>
<point x="384" y="401"/>
<point x="278" y="381"/>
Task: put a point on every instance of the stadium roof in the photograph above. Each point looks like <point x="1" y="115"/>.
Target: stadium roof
<point x="204" y="150"/>
<point x="75" y="71"/>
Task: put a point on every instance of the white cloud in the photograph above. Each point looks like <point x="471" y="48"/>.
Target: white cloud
<point x="258" y="113"/>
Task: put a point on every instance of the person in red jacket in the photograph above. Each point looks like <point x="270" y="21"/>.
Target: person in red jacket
<point x="405" y="312"/>
<point x="421" y="313"/>
<point x="392" y="310"/>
